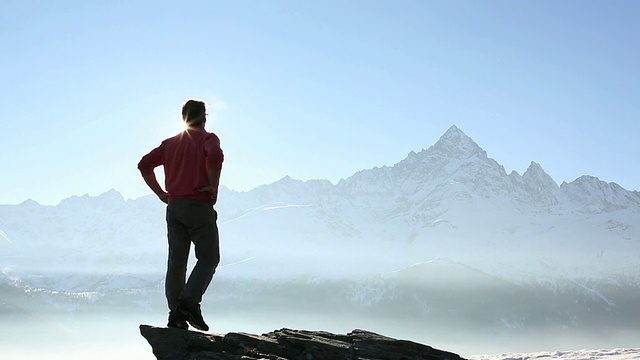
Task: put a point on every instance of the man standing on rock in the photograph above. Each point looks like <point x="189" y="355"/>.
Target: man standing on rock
<point x="192" y="163"/>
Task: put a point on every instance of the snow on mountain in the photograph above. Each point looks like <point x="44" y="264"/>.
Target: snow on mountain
<point x="59" y="247"/>
<point x="596" y="354"/>
<point x="455" y="157"/>
<point x="595" y="196"/>
<point x="450" y="201"/>
<point x="540" y="185"/>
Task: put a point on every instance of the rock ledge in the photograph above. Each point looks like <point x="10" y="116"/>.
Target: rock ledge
<point x="176" y="344"/>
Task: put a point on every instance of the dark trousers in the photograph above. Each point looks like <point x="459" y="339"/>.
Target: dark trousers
<point x="190" y="221"/>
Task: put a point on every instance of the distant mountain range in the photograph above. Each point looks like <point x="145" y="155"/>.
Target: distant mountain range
<point x="446" y="215"/>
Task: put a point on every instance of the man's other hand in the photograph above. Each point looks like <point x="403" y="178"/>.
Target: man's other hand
<point x="164" y="197"/>
<point x="213" y="190"/>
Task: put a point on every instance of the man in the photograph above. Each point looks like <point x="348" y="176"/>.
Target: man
<point x="192" y="163"/>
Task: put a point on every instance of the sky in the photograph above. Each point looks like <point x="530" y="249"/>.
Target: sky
<point x="313" y="89"/>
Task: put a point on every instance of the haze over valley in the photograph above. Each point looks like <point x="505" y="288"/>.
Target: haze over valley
<point x="444" y="248"/>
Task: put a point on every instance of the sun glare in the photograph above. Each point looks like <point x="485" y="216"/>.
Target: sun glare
<point x="180" y="127"/>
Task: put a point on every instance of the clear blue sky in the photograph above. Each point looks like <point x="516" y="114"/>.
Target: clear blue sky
<point x="313" y="89"/>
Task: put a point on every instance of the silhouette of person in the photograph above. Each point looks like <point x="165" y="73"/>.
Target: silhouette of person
<point x="192" y="162"/>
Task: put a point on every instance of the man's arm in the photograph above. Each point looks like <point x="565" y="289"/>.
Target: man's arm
<point x="214" y="182"/>
<point x="152" y="183"/>
<point x="146" y="166"/>
<point x="214" y="160"/>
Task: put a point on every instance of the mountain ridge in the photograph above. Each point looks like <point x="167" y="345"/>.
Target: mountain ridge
<point x="440" y="201"/>
<point x="444" y="231"/>
<point x="453" y="144"/>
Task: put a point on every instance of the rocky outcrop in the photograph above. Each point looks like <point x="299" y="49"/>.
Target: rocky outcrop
<point x="176" y="344"/>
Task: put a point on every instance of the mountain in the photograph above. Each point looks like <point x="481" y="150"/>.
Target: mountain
<point x="447" y="220"/>
<point x="448" y="199"/>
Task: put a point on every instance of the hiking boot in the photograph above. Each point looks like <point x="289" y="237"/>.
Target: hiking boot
<point x="190" y="311"/>
<point x="176" y="320"/>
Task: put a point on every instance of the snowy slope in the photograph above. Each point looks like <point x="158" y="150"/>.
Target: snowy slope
<point x="450" y="202"/>
<point x="609" y="354"/>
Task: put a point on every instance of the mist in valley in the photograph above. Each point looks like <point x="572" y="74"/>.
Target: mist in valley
<point x="425" y="250"/>
<point x="468" y="314"/>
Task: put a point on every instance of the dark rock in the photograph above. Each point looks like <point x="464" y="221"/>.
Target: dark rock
<point x="177" y="344"/>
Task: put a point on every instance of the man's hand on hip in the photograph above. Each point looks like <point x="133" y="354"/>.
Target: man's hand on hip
<point x="212" y="190"/>
<point x="164" y="197"/>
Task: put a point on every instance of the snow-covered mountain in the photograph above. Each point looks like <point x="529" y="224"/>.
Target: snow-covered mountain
<point x="444" y="213"/>
<point x="450" y="202"/>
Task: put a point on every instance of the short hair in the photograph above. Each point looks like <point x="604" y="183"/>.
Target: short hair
<point x="194" y="112"/>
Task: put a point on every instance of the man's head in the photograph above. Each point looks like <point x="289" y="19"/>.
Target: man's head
<point x="194" y="113"/>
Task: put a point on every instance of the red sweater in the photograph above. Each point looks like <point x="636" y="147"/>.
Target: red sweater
<point x="186" y="158"/>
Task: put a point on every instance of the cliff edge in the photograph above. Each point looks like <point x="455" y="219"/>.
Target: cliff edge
<point x="177" y="344"/>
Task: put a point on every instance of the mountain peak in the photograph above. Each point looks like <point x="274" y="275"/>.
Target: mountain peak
<point x="595" y="195"/>
<point x="111" y="195"/>
<point x="454" y="131"/>
<point x="109" y="199"/>
<point x="535" y="173"/>
<point x="30" y="202"/>
<point x="454" y="134"/>
<point x="534" y="166"/>
<point x="542" y="187"/>
<point x="456" y="144"/>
